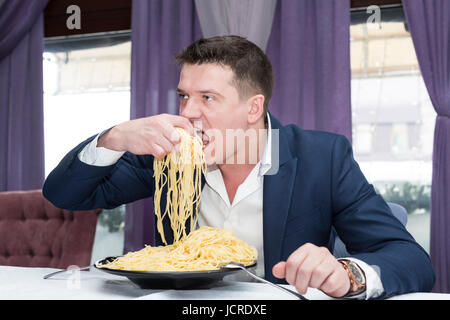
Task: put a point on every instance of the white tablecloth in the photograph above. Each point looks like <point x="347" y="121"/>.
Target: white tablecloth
<point x="28" y="284"/>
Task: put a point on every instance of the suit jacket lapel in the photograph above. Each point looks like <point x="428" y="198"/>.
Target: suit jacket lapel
<point x="277" y="195"/>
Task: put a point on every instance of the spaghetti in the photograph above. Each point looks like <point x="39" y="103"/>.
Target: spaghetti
<point x="181" y="172"/>
<point x="206" y="248"/>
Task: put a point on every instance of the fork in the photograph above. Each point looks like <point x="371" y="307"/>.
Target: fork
<point x="66" y="270"/>
<point x="236" y="265"/>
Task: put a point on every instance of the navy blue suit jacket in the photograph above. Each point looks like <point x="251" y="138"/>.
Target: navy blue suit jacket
<point x="318" y="185"/>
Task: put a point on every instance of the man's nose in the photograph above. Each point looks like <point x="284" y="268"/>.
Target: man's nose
<point x="190" y="110"/>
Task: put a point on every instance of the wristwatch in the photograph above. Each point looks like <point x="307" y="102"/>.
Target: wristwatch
<point x="356" y="276"/>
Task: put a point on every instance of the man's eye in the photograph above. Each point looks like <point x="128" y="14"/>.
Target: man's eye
<point x="208" y="98"/>
<point x="183" y="96"/>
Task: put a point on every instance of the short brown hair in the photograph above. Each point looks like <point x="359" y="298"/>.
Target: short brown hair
<point x="251" y="66"/>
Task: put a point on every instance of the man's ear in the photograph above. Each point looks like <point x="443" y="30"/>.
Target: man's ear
<point x="255" y="108"/>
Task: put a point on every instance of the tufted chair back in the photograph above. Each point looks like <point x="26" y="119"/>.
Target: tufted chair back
<point x="35" y="233"/>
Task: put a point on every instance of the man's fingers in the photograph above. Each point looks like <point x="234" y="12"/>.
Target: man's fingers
<point x="320" y="274"/>
<point x="178" y="121"/>
<point x="165" y="143"/>
<point x="294" y="261"/>
<point x="279" y="270"/>
<point x="334" y="285"/>
<point x="170" y="133"/>
<point x="158" y="152"/>
<point x="306" y="272"/>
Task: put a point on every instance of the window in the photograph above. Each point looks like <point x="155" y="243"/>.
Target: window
<point x="393" y="119"/>
<point x="86" y="90"/>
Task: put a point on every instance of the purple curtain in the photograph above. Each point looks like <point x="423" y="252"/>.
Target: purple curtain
<point x="310" y="51"/>
<point x="429" y="24"/>
<point x="160" y="28"/>
<point x="21" y="95"/>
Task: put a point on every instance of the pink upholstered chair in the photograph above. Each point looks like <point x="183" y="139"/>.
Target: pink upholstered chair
<point x="34" y="233"/>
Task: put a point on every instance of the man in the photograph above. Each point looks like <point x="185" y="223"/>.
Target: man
<point x="283" y="195"/>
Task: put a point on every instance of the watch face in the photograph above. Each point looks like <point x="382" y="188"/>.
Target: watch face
<point x="357" y="273"/>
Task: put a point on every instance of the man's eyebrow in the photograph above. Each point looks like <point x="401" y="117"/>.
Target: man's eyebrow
<point x="179" y="90"/>
<point x="211" y="91"/>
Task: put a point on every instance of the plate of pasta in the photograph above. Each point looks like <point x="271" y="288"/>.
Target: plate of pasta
<point x="194" y="261"/>
<point x="194" y="258"/>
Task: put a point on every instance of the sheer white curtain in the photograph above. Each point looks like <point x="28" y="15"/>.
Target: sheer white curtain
<point x="251" y="19"/>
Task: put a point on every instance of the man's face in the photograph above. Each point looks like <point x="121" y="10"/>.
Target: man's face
<point x="209" y="99"/>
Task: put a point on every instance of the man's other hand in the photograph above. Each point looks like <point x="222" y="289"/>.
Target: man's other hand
<point x="315" y="267"/>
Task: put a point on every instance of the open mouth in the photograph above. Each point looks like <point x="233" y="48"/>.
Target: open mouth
<point x="202" y="135"/>
<point x="205" y="139"/>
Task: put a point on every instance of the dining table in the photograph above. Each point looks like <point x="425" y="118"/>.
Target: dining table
<point x="28" y="283"/>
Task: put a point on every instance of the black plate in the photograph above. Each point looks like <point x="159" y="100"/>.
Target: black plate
<point x="170" y="280"/>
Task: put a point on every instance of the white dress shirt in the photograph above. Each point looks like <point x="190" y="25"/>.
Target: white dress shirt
<point x="244" y="216"/>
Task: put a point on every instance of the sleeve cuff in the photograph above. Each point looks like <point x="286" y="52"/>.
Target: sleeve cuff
<point x="99" y="156"/>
